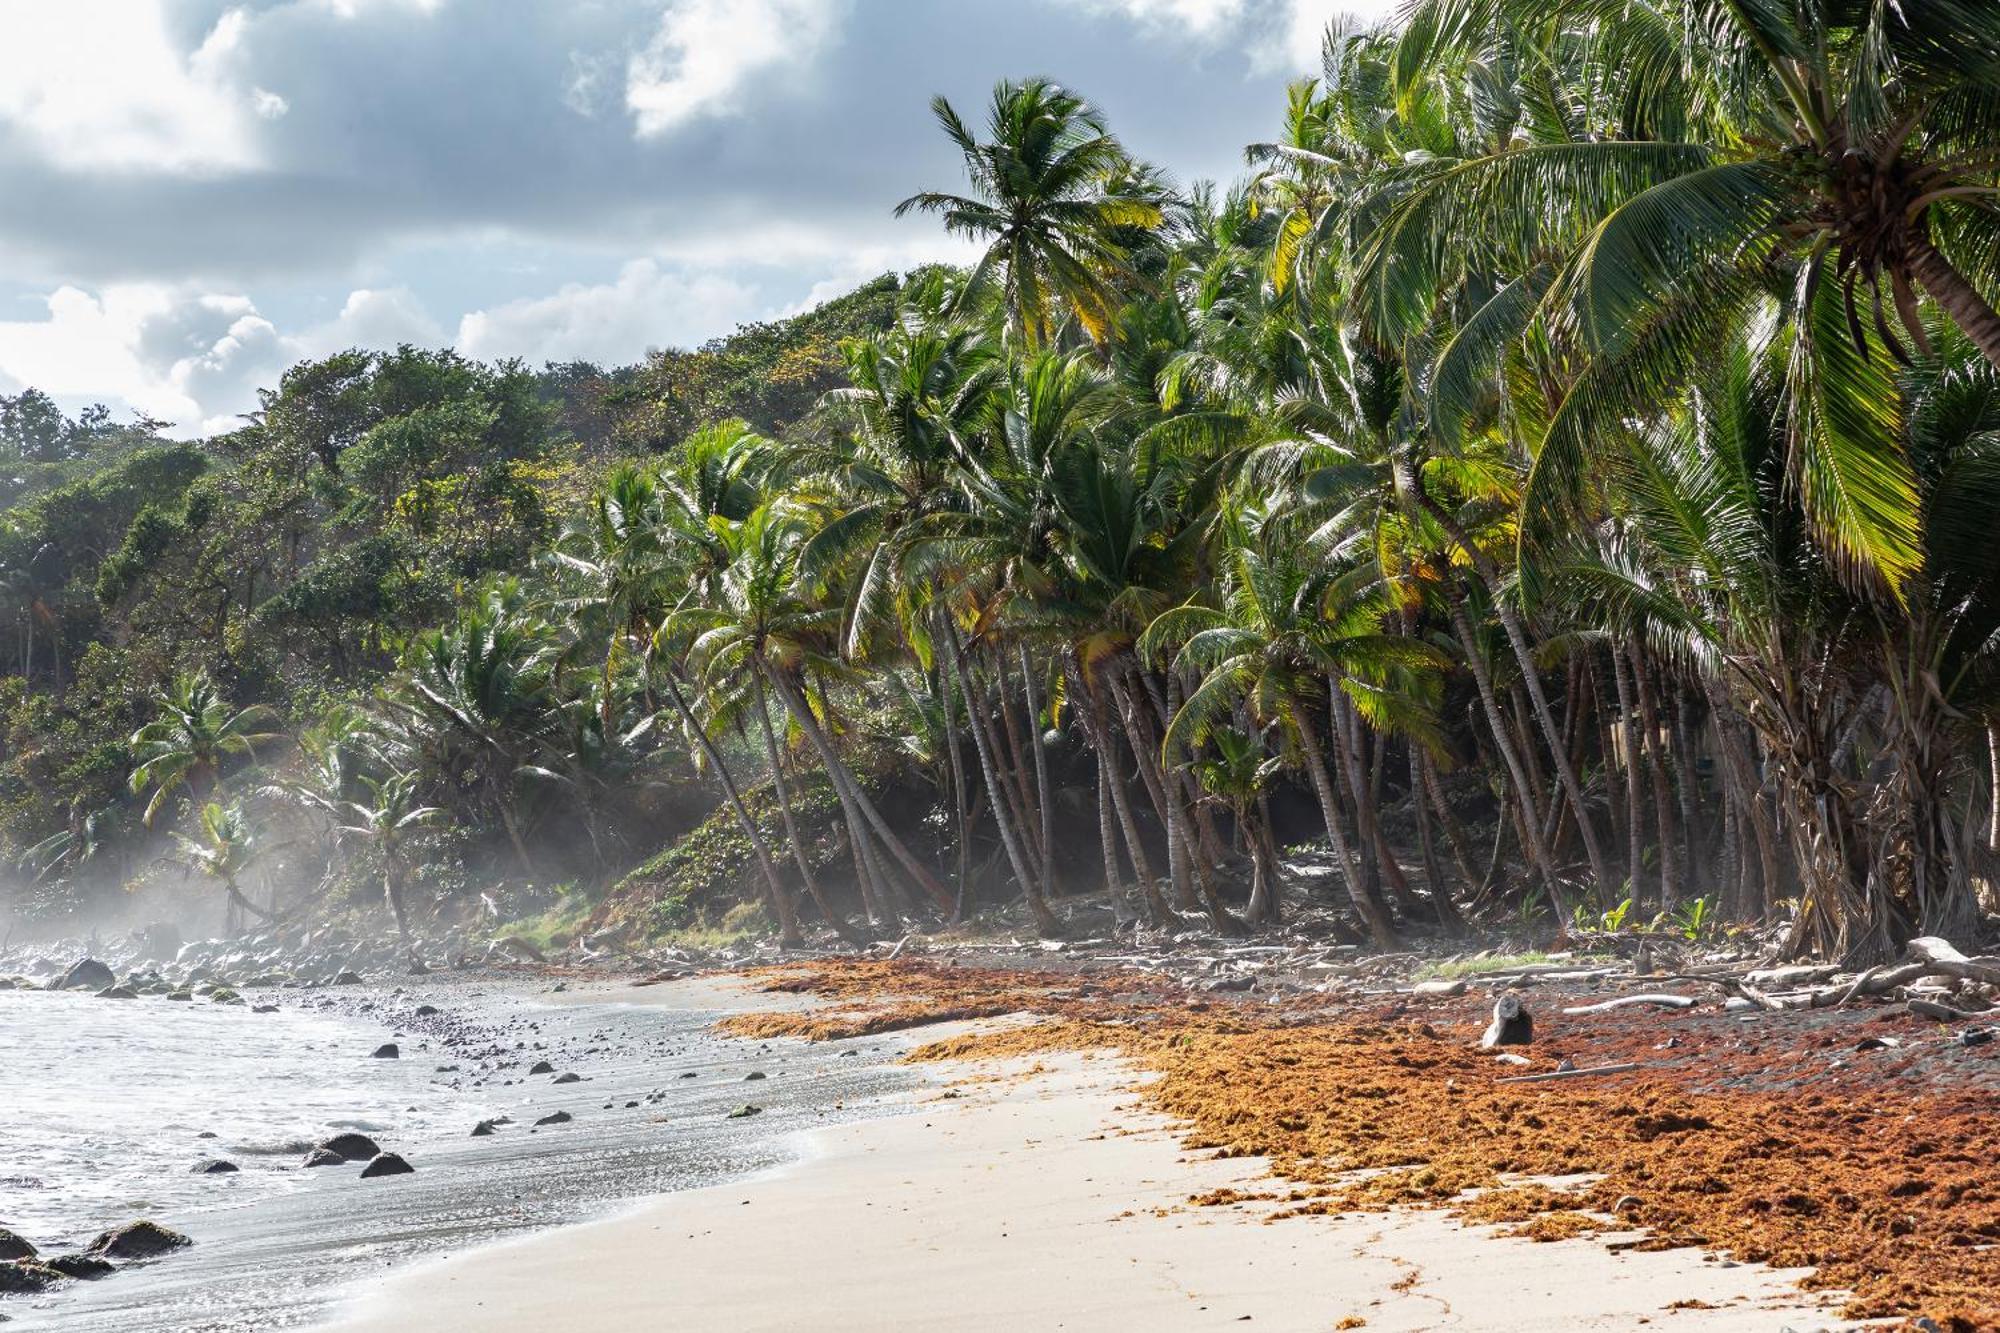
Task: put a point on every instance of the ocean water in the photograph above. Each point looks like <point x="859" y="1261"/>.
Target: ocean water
<point x="103" y="1105"/>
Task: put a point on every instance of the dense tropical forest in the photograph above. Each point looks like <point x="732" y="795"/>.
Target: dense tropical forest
<point x="1555" y="484"/>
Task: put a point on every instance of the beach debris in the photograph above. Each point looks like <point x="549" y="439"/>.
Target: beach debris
<point x="745" y="1111"/>
<point x="83" y="1267"/>
<point x="213" y="1166"/>
<point x="22" y="1277"/>
<point x="567" y="1078"/>
<point x="386" y="1164"/>
<point x="1633" y="1001"/>
<point x="556" y="1118"/>
<point x="1441" y="988"/>
<point x="143" y="1239"/>
<point x="321" y="1157"/>
<point x="350" y="1146"/>
<point x="14" y="1246"/>
<point x="388" y="1050"/>
<point x="1512" y="1024"/>
<point x="1943" y="1013"/>
<point x="1622" y="1068"/>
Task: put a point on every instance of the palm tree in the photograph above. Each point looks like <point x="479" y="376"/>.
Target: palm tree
<point x="194" y="736"/>
<point x="384" y="820"/>
<point x="1281" y="629"/>
<point x="1051" y="203"/>
<point x="1239" y="772"/>
<point x="222" y="849"/>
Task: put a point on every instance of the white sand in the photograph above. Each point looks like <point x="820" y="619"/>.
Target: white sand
<point x="1043" y="1204"/>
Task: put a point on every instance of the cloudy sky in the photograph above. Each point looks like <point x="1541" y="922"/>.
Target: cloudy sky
<point x="200" y="192"/>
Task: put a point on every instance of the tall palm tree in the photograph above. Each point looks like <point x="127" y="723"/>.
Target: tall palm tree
<point x="385" y="819"/>
<point x="1052" y="203"/>
<point x="192" y="739"/>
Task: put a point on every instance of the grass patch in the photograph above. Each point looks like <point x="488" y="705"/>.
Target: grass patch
<point x="555" y="928"/>
<point x="1505" y="962"/>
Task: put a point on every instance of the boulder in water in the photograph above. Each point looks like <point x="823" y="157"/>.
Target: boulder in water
<point x="118" y="993"/>
<point x="386" y="1164"/>
<point x="484" y="1129"/>
<point x="352" y="1147"/>
<point x="13" y="1246"/>
<point x="185" y="996"/>
<point x="213" y="1166"/>
<point x="388" y="1050"/>
<point x="137" y="1240"/>
<point x="567" y="1078"/>
<point x="82" y="1266"/>
<point x="348" y="979"/>
<point x="323" y="1157"/>
<point x="23" y="1277"/>
<point x="86" y="972"/>
<point x="426" y="1010"/>
<point x="557" y="1118"/>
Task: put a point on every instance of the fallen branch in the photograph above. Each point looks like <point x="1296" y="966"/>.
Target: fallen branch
<point x="1942" y="959"/>
<point x="1627" y="1001"/>
<point x="1943" y="1013"/>
<point x="1569" y="1073"/>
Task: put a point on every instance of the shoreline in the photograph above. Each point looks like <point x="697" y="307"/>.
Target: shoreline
<point x="1043" y="1198"/>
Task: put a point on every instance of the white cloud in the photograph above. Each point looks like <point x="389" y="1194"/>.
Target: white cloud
<point x="192" y="358"/>
<point x="706" y="50"/>
<point x="612" y="322"/>
<point x="100" y="84"/>
<point x="1297" y="44"/>
<point x="1193" y="17"/>
<point x="267" y="104"/>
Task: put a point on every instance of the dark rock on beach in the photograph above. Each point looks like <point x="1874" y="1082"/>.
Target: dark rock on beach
<point x="86" y="972"/>
<point x="351" y="1147"/>
<point x="386" y="1164"/>
<point x="323" y="1157"/>
<point x="137" y="1240"/>
<point x="24" y="1278"/>
<point x="213" y="1166"/>
<point x="567" y="1078"/>
<point x="541" y="1067"/>
<point x="118" y="993"/>
<point x="388" y="1050"/>
<point x="13" y="1246"/>
<point x="83" y="1266"/>
<point x="483" y="1129"/>
<point x="558" y="1118"/>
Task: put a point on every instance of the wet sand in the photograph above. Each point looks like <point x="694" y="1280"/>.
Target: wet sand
<point x="1047" y="1202"/>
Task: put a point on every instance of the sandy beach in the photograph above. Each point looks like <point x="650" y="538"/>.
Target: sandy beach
<point x="1047" y="1200"/>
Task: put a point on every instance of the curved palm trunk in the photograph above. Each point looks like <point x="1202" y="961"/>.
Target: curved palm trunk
<point x="780" y="901"/>
<point x="392" y="892"/>
<point x="1361" y="785"/>
<point x="1663" y="801"/>
<point x="1371" y="912"/>
<point x="1440" y="890"/>
<point x="782" y="789"/>
<point x="960" y="813"/>
<point x="1955" y="295"/>
<point x="809" y="724"/>
<point x="1628" y="734"/>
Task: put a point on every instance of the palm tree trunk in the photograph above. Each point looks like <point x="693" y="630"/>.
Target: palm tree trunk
<point x="1042" y="793"/>
<point x="1517" y="639"/>
<point x="983" y="744"/>
<point x="1454" y="836"/>
<point x="392" y="892"/>
<point x="1663" y="805"/>
<point x="1361" y="782"/>
<point x="1106" y="745"/>
<point x="1635" y="820"/>
<point x="1146" y="751"/>
<point x="781" y="788"/>
<point x="960" y="816"/>
<point x="774" y="892"/>
<point x="1434" y="876"/>
<point x="1955" y="295"/>
<point x="1371" y="913"/>
<point x="802" y="713"/>
<point x="1531" y="821"/>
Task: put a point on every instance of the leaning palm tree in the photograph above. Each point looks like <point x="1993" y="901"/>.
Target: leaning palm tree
<point x="194" y="736"/>
<point x="222" y="849"/>
<point x="1052" y="203"/>
<point x="1840" y="155"/>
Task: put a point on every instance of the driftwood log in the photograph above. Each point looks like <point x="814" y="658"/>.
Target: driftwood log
<point x="1633" y="1001"/>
